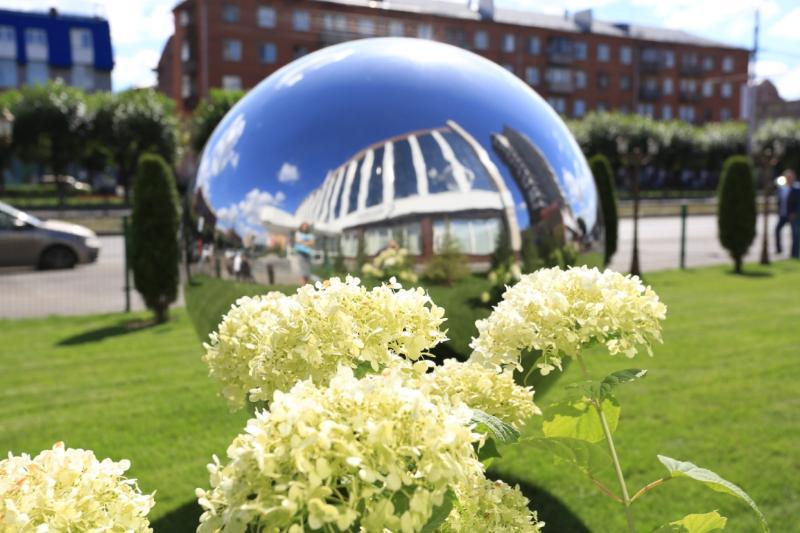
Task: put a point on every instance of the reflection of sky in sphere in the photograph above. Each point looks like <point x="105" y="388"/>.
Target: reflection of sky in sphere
<point x="279" y="143"/>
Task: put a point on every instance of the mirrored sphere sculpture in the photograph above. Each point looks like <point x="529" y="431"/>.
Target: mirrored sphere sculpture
<point x="382" y="141"/>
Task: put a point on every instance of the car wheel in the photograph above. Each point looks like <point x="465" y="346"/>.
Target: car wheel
<point x="57" y="257"/>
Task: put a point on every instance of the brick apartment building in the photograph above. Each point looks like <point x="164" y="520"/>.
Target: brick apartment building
<point x="577" y="63"/>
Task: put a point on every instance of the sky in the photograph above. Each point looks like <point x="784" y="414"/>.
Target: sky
<point x="139" y="28"/>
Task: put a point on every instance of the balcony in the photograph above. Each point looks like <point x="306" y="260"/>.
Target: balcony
<point x="560" y="86"/>
<point x="560" y="56"/>
<point x="651" y="66"/>
<point x="691" y="69"/>
<point x="689" y="96"/>
<point x="649" y="94"/>
<point x="331" y="37"/>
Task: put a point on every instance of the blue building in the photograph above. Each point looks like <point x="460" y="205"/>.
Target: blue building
<point x="38" y="47"/>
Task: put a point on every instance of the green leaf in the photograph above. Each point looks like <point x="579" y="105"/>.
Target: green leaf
<point x="587" y="457"/>
<point x="579" y="419"/>
<point x="711" y="480"/>
<point x="440" y="513"/>
<point x="362" y="369"/>
<point x="491" y="425"/>
<point x="620" y="377"/>
<point x="487" y="452"/>
<point x="696" y="523"/>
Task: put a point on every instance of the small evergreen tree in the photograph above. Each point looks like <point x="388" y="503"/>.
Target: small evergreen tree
<point x="736" y="208"/>
<point x="601" y="170"/>
<point x="339" y="266"/>
<point x="502" y="255"/>
<point x="448" y="265"/>
<point x="155" y="250"/>
<point x="361" y="252"/>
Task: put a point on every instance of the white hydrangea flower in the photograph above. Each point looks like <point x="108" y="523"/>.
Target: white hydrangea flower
<point x="488" y="506"/>
<point x="268" y="343"/>
<point x="376" y="453"/>
<point x="70" y="490"/>
<point x="562" y="311"/>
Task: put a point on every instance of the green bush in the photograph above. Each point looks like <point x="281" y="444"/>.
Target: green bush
<point x="736" y="208"/>
<point x="503" y="254"/>
<point x="603" y="179"/>
<point x="154" y="246"/>
<point x="209" y="114"/>
<point x="448" y="265"/>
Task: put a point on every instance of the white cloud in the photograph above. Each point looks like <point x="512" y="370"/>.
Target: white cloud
<point x="247" y="213"/>
<point x="135" y="70"/>
<point x="288" y="173"/>
<point x="786" y="28"/>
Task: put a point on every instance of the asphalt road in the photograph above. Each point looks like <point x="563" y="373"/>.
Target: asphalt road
<point x="98" y="288"/>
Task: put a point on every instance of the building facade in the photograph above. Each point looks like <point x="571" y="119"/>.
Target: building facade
<point x="38" y="47"/>
<point x="577" y="63"/>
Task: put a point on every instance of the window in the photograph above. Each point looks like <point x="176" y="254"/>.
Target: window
<point x="230" y="13"/>
<point x="334" y="22"/>
<point x="37" y="73"/>
<point x="268" y="53"/>
<point x="666" y="112"/>
<point x="668" y="86"/>
<point x="299" y="51"/>
<point x="366" y="26"/>
<point x="688" y="86"/>
<point x="669" y="58"/>
<point x="559" y="76"/>
<point x="301" y="21"/>
<point x="580" y="79"/>
<point x="727" y="64"/>
<point x="8" y="73"/>
<point x="186" y="86"/>
<point x="425" y="31"/>
<point x="625" y="82"/>
<point x="183" y="18"/>
<point x="232" y="50"/>
<point x="267" y="17"/>
<point x="602" y="80"/>
<point x="602" y="106"/>
<point x="534" y="46"/>
<point x="82" y="46"/>
<point x="558" y="103"/>
<point x="581" y="50"/>
<point x="532" y="75"/>
<point x="396" y="28"/>
<point x="646" y="109"/>
<point x="603" y="52"/>
<point x="509" y="67"/>
<point x="726" y="89"/>
<point x="708" y="63"/>
<point x="686" y="112"/>
<point x="186" y="52"/>
<point x="8" y="42"/>
<point x="724" y="113"/>
<point x="625" y="55"/>
<point x="508" y="43"/>
<point x="708" y="89"/>
<point x="481" y="40"/>
<point x="232" y="83"/>
<point x="578" y="108"/>
<point x="83" y="77"/>
<point x="456" y="37"/>
<point x="36" y="44"/>
<point x="475" y="236"/>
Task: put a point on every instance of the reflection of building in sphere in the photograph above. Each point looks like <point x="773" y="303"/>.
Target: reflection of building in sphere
<point x="412" y="187"/>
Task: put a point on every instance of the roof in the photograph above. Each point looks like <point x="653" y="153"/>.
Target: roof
<point x="58" y="39"/>
<point x="462" y="10"/>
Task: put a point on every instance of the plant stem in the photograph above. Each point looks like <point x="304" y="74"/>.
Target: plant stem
<point x="610" y="441"/>
<point x="649" y="486"/>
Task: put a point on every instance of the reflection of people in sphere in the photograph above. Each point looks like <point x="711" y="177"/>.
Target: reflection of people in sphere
<point x="304" y="246"/>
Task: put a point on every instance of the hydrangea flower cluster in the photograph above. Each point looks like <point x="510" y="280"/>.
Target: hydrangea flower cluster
<point x="490" y="507"/>
<point x="562" y="311"/>
<point x="391" y="262"/>
<point x="268" y="343"/>
<point x="70" y="490"/>
<point x="372" y="453"/>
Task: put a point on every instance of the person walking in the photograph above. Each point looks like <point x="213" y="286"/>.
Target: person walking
<point x="784" y="191"/>
<point x="304" y="246"/>
<point x="793" y="210"/>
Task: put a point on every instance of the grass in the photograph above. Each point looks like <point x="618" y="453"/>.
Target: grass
<point x="721" y="392"/>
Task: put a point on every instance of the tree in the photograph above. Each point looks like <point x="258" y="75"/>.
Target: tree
<point x="361" y="252"/>
<point x="155" y="249"/>
<point x="503" y="254"/>
<point x="49" y="127"/>
<point x="601" y="170"/>
<point x="209" y="113"/>
<point x="449" y="264"/>
<point x="736" y="208"/>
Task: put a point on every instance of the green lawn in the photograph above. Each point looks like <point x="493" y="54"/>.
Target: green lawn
<point x="722" y="392"/>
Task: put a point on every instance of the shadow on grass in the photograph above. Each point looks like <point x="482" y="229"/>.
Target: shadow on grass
<point x="751" y="274"/>
<point x="184" y="519"/>
<point x="121" y="328"/>
<point x="549" y="509"/>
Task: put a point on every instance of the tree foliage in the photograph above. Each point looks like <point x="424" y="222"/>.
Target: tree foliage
<point x="736" y="209"/>
<point x="603" y="179"/>
<point x="209" y="113"/>
<point x="448" y="265"/>
<point x="155" y="249"/>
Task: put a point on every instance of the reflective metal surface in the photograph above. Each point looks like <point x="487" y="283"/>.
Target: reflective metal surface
<point x="389" y="139"/>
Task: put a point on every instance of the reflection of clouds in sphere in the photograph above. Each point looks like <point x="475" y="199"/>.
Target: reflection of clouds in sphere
<point x="222" y="153"/>
<point x="288" y="173"/>
<point x="246" y="215"/>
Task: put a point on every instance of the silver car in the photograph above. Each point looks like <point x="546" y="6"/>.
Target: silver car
<point x="27" y="241"/>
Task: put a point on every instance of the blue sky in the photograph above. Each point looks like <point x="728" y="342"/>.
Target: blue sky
<point x="140" y="27"/>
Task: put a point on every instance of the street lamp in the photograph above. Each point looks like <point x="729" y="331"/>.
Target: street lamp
<point x="767" y="158"/>
<point x="635" y="159"/>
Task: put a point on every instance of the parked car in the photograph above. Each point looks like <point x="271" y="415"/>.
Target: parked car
<point x="27" y="241"/>
<point x="70" y="183"/>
